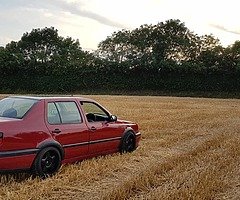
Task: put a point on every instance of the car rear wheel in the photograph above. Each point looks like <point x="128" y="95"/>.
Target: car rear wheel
<point x="128" y="143"/>
<point x="47" y="162"/>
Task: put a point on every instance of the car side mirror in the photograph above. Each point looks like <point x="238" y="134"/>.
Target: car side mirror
<point x="113" y="118"/>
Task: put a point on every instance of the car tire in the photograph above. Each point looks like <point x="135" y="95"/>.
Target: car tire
<point x="128" y="143"/>
<point x="47" y="162"/>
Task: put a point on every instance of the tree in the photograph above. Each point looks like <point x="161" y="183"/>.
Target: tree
<point x="235" y="51"/>
<point x="230" y="59"/>
<point x="170" y="41"/>
<point x="44" y="51"/>
<point x="40" y="45"/>
<point x="149" y="45"/>
<point x="10" y="60"/>
<point x="117" y="47"/>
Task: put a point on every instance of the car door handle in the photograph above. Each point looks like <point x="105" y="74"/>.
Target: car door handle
<point x="57" y="130"/>
<point x="93" y="128"/>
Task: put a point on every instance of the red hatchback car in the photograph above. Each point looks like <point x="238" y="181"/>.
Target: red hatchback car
<point x="41" y="133"/>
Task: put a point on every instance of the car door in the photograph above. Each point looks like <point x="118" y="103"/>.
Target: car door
<point x="65" y="122"/>
<point x="104" y="136"/>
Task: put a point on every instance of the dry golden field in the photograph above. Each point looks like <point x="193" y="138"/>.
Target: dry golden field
<point x="190" y="149"/>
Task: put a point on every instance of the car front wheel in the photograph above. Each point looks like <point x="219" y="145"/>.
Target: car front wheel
<point x="128" y="143"/>
<point x="47" y="162"/>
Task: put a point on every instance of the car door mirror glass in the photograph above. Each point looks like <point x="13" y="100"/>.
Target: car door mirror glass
<point x="113" y="118"/>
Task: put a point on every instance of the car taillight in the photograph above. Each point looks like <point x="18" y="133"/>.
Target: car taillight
<point x="1" y="135"/>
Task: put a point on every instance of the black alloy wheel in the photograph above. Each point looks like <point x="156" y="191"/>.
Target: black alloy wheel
<point x="128" y="143"/>
<point x="48" y="162"/>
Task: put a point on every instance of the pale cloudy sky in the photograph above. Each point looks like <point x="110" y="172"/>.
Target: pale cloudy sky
<point x="91" y="21"/>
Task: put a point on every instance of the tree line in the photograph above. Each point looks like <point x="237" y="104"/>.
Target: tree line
<point x="166" y="57"/>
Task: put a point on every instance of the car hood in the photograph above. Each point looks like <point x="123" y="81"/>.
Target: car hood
<point x="120" y="121"/>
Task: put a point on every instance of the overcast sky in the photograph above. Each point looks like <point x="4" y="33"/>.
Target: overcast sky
<point x="91" y="21"/>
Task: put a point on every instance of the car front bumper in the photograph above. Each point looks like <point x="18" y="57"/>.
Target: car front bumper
<point x="138" y="137"/>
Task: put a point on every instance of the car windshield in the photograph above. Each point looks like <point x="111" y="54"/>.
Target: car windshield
<point x="15" y="107"/>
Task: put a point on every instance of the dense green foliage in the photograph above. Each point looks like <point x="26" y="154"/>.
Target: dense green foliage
<point x="166" y="57"/>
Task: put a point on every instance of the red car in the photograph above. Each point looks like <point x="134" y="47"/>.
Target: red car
<point x="41" y="133"/>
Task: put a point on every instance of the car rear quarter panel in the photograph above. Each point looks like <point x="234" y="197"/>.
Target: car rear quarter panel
<point x="25" y="133"/>
<point x="16" y="162"/>
<point x="21" y="135"/>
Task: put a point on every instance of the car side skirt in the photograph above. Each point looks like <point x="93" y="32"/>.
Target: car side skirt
<point x="92" y="142"/>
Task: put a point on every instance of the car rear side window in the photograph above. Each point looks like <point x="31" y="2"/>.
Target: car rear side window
<point x="15" y="107"/>
<point x="63" y="113"/>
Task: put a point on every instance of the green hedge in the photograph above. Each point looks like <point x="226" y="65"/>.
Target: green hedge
<point x="128" y="82"/>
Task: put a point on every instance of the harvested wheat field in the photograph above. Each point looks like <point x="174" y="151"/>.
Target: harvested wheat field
<point x="190" y="149"/>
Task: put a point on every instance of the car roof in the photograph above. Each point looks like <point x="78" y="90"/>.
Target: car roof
<point x="52" y="98"/>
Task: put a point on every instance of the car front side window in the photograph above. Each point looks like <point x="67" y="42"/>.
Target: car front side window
<point x="94" y="112"/>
